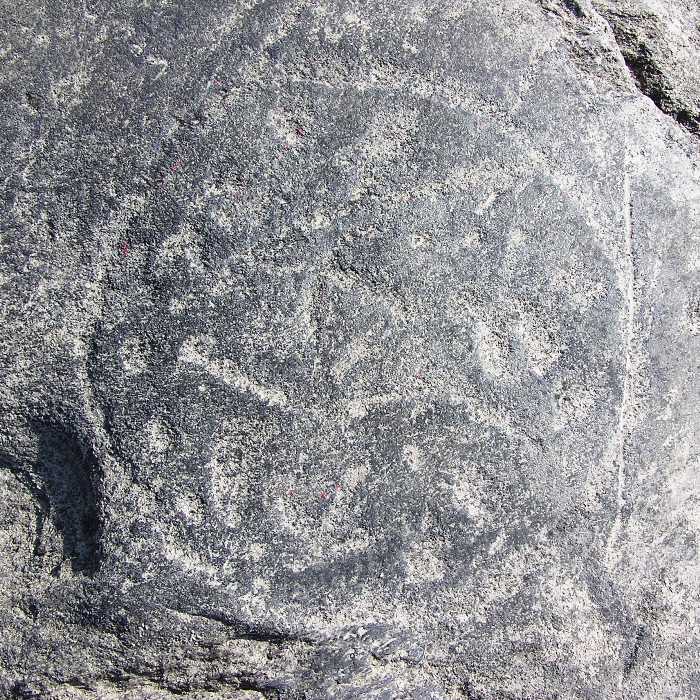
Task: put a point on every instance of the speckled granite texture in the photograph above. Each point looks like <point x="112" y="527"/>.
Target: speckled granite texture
<point x="349" y="350"/>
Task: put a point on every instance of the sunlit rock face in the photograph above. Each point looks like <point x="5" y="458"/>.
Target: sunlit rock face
<point x="350" y="351"/>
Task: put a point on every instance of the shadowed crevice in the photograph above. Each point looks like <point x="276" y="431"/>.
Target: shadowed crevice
<point x="67" y="473"/>
<point x="651" y="82"/>
<point x="638" y="37"/>
<point x="642" y="61"/>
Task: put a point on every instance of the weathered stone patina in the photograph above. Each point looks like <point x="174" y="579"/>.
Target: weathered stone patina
<point x="349" y="350"/>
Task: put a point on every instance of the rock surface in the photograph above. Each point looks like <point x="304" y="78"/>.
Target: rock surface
<point x="350" y="350"/>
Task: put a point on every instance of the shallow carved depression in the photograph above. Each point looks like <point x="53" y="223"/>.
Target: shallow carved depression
<point x="349" y="415"/>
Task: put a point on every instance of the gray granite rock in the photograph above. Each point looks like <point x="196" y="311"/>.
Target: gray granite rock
<point x="350" y="350"/>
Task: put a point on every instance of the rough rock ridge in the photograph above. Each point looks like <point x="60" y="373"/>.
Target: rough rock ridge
<point x="350" y="349"/>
